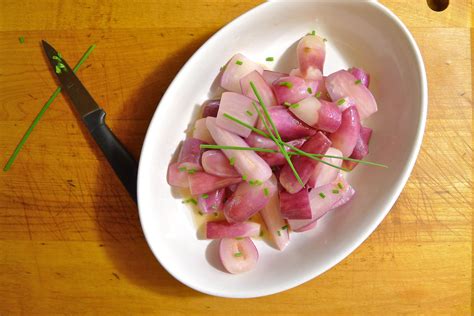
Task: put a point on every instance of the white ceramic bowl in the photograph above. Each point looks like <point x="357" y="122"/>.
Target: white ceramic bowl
<point x="364" y="34"/>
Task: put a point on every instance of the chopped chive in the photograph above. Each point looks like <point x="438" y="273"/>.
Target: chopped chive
<point x="266" y="192"/>
<point x="239" y="238"/>
<point x="21" y="39"/>
<point x="322" y="195"/>
<point x="287" y="103"/>
<point x="358" y="81"/>
<point x="249" y="113"/>
<point x="205" y="196"/>
<point x="286" y="84"/>
<point x="310" y="91"/>
<point x="182" y="169"/>
<point x="284" y="227"/>
<point x="244" y="177"/>
<point x="313" y="32"/>
<point x="238" y="254"/>
<point x="192" y="171"/>
<point x="335" y="191"/>
<point x="191" y="200"/>
<point x="269" y="59"/>
<point x="41" y="113"/>
<point x="261" y="233"/>
<point x="340" y="186"/>
<point x="251" y="182"/>
<point x="318" y="94"/>
<point x="232" y="161"/>
<point x="278" y="232"/>
<point x="239" y="62"/>
<point x="294" y="106"/>
<point x="341" y="101"/>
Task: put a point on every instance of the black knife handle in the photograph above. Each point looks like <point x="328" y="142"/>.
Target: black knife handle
<point x="119" y="158"/>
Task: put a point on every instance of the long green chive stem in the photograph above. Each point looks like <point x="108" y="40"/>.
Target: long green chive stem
<point x="42" y="111"/>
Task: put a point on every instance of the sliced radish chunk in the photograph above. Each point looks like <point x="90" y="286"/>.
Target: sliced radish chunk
<point x="238" y="67"/>
<point x="324" y="174"/>
<point x="223" y="229"/>
<point x="346" y="196"/>
<point x="246" y="162"/>
<point x="265" y="91"/>
<point x="290" y="89"/>
<point x="311" y="52"/>
<point x="342" y="84"/>
<point x="201" y="182"/>
<point x="190" y="155"/>
<point x="361" y="75"/>
<point x="238" y="256"/>
<point x="295" y="206"/>
<point x="277" y="159"/>
<point x="248" y="199"/>
<point x="210" y="108"/>
<point x="275" y="223"/>
<point x="361" y="148"/>
<point x="288" y="126"/>
<point x="176" y="177"/>
<point x="311" y="74"/>
<point x="200" y="132"/>
<point x="345" y="138"/>
<point x="270" y="76"/>
<point x="330" y="117"/>
<point x="318" y="144"/>
<point x="238" y="106"/>
<point x="307" y="110"/>
<point x="212" y="202"/>
<point x="216" y="163"/>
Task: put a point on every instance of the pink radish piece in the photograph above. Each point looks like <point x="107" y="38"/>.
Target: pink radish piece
<point x="270" y="76"/>
<point x="295" y="206"/>
<point x="238" y="67"/>
<point x="212" y="202"/>
<point x="274" y="222"/>
<point x="238" y="106"/>
<point x="210" y="108"/>
<point x="248" y="199"/>
<point x="307" y="110"/>
<point x="345" y="138"/>
<point x="361" y="75"/>
<point x="201" y="182"/>
<point x="238" y="256"/>
<point x="177" y="178"/>
<point x="318" y="144"/>
<point x="342" y="84"/>
<point x="361" y="148"/>
<point x="330" y="117"/>
<point x="200" y="132"/>
<point x="265" y="91"/>
<point x="216" y="163"/>
<point x="223" y="229"/>
<point x="291" y="89"/>
<point x="311" y="74"/>
<point x="246" y="162"/>
<point x="324" y="174"/>
<point x="288" y="126"/>
<point x="190" y="154"/>
<point x="311" y="52"/>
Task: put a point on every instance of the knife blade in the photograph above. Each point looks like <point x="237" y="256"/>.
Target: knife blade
<point x="123" y="163"/>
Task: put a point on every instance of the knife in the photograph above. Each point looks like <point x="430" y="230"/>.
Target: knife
<point x="123" y="163"/>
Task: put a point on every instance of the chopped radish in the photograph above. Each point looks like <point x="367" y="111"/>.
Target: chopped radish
<point x="201" y="182"/>
<point x="265" y="91"/>
<point x="311" y="52"/>
<point x="210" y="108"/>
<point x="223" y="229"/>
<point x="361" y="148"/>
<point x="240" y="107"/>
<point x="216" y="163"/>
<point x="212" y="202"/>
<point x="190" y="155"/>
<point x="324" y="174"/>
<point x="270" y="76"/>
<point x="295" y="206"/>
<point x="330" y="117"/>
<point x="345" y="138"/>
<point x="176" y="177"/>
<point x="361" y="75"/>
<point x="238" y="67"/>
<point x="201" y="132"/>
<point x="238" y="256"/>
<point x="291" y="89"/>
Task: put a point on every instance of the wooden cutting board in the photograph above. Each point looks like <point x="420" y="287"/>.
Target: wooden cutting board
<point x="70" y="237"/>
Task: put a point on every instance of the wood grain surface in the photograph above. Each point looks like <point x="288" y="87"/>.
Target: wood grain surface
<point x="70" y="237"/>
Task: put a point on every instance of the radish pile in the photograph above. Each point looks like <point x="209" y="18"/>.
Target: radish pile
<point x="274" y="144"/>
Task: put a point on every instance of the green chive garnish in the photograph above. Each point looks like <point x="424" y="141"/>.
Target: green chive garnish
<point x="340" y="186"/>
<point x="284" y="227"/>
<point x="335" y="191"/>
<point x="244" y="177"/>
<point x="318" y="94"/>
<point x="21" y="39"/>
<point x="322" y="195"/>
<point x="249" y="113"/>
<point x="358" y="81"/>
<point x="232" y="161"/>
<point x="239" y="62"/>
<point x="42" y="111"/>
<point x="192" y="171"/>
<point x="182" y="169"/>
<point x="310" y="91"/>
<point x="294" y="106"/>
<point x="313" y="32"/>
<point x="269" y="59"/>
<point x="266" y="192"/>
<point x="341" y="101"/>
<point x="238" y="254"/>
<point x="286" y="84"/>
<point x="191" y="200"/>
<point x="286" y="103"/>
<point x="205" y="196"/>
